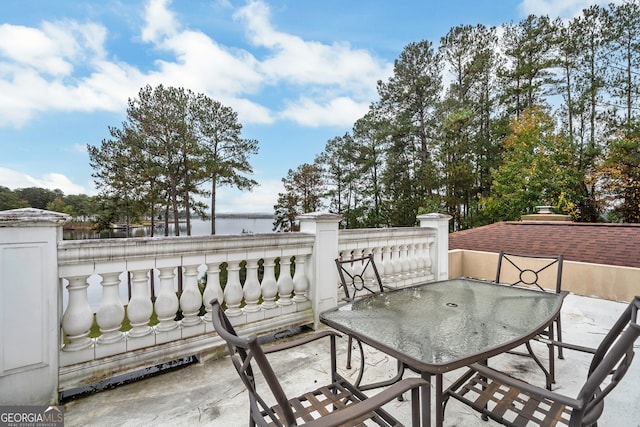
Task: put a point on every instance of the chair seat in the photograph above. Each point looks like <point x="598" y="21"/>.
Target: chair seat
<point x="326" y="399"/>
<point x="340" y="403"/>
<point x="511" y="405"/>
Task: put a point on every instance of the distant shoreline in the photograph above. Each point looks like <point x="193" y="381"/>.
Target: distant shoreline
<point x="245" y="215"/>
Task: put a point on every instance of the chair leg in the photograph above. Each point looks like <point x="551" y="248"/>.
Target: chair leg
<point x="349" y="342"/>
<point x="547" y="374"/>
<point x="559" y="335"/>
<point x="400" y="373"/>
<point x="552" y="361"/>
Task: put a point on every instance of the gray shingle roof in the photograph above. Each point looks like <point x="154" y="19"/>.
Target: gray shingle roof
<point x="596" y="243"/>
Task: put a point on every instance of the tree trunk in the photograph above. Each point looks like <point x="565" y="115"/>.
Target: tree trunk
<point x="213" y="205"/>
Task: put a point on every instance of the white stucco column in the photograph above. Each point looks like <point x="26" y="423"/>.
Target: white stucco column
<point x="439" y="253"/>
<point x="321" y="268"/>
<point x="31" y="306"/>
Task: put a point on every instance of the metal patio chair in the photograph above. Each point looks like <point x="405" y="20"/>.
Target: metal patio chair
<point x="542" y="272"/>
<point x="338" y="403"/>
<point x="513" y="402"/>
<point x="359" y="277"/>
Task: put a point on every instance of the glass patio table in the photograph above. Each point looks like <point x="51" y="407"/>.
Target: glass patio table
<point x="437" y="327"/>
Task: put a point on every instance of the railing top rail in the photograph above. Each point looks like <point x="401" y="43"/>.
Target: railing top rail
<point x="72" y="252"/>
<point x="377" y="236"/>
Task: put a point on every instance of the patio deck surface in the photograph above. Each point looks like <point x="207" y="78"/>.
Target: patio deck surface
<point x="210" y="393"/>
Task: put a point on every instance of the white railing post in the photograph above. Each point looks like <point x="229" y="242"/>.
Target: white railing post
<point x="78" y="317"/>
<point x="190" y="302"/>
<point x="140" y="308"/>
<point x="251" y="289"/>
<point x="212" y="290"/>
<point x="321" y="271"/>
<point x="110" y="314"/>
<point x="167" y="303"/>
<point x="300" y="281"/>
<point x="439" y="253"/>
<point x="285" y="282"/>
<point x="32" y="306"/>
<point x="233" y="290"/>
<point x="269" y="286"/>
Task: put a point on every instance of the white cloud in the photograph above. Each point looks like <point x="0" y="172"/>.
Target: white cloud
<point x="37" y="49"/>
<point x="37" y="71"/>
<point x="293" y="59"/>
<point x="79" y="148"/>
<point x="260" y="200"/>
<point x="341" y="111"/>
<point x="52" y="181"/>
<point x="159" y="21"/>
<point x="560" y="8"/>
<point x="63" y="66"/>
<point x="202" y="64"/>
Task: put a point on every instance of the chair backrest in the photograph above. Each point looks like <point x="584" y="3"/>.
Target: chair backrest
<point x="359" y="276"/>
<point x="610" y="363"/>
<point x="242" y="351"/>
<point x="541" y="271"/>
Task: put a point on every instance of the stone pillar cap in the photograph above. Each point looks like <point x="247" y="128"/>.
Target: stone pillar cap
<point x="31" y="216"/>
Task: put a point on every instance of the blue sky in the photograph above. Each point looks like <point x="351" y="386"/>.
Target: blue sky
<point x="297" y="72"/>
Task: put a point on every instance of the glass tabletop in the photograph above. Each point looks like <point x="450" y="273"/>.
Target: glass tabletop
<point x="440" y="325"/>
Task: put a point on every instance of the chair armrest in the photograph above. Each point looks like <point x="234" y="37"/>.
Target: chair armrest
<point x="300" y="341"/>
<point x="340" y="418"/>
<point x="525" y="386"/>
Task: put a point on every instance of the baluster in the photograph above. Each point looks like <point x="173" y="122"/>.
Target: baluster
<point x="212" y="289"/>
<point x="300" y="282"/>
<point x="251" y="287"/>
<point x="285" y="283"/>
<point x="406" y="265"/>
<point x="420" y="259"/>
<point x="356" y="266"/>
<point x="397" y="264"/>
<point x="369" y="275"/>
<point x="269" y="286"/>
<point x="387" y="262"/>
<point x="78" y="317"/>
<point x="233" y="289"/>
<point x="427" y="256"/>
<point x="111" y="311"/>
<point x="347" y="266"/>
<point x="191" y="298"/>
<point x="166" y="304"/>
<point x="140" y="307"/>
<point x="413" y="263"/>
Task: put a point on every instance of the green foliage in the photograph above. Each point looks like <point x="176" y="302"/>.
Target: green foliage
<point x="39" y="198"/>
<point x="304" y="190"/>
<point x="620" y="174"/>
<point x="10" y="199"/>
<point x="538" y="168"/>
<point x="487" y="147"/>
<point x="79" y="206"/>
<point x="172" y="142"/>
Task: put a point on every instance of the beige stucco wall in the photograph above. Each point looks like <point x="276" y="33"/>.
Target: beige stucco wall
<point x="602" y="281"/>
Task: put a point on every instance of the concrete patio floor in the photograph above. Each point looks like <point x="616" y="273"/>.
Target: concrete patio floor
<point x="210" y="393"/>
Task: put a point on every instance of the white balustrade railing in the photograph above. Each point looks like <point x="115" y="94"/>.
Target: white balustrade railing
<point x="252" y="292"/>
<point x="127" y="304"/>
<point x="403" y="256"/>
